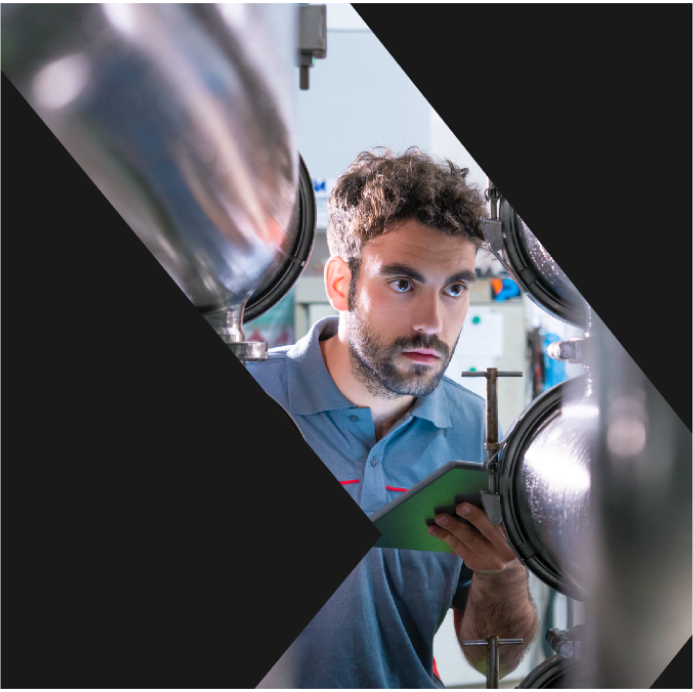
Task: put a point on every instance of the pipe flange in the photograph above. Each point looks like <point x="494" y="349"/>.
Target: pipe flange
<point x="249" y="350"/>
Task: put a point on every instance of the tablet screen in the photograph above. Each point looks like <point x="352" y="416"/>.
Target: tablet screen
<point x="403" y="522"/>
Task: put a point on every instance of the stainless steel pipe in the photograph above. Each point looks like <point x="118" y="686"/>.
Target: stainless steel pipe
<point x="545" y="484"/>
<point x="183" y="116"/>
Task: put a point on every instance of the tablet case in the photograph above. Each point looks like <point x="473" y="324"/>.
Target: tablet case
<point x="403" y="522"/>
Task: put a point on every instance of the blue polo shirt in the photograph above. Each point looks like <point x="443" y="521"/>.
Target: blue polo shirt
<point x="377" y="630"/>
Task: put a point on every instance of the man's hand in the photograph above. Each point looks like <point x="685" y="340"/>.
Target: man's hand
<point x="499" y="602"/>
<point x="482" y="546"/>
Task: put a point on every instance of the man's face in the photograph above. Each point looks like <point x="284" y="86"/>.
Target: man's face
<point x="406" y="313"/>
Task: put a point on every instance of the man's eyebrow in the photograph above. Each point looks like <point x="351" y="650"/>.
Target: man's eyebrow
<point x="465" y="276"/>
<point x="398" y="269"/>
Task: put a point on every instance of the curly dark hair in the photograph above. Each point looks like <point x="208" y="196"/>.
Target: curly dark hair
<point x="381" y="189"/>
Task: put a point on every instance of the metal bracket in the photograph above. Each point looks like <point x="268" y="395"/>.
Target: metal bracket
<point x="566" y="643"/>
<point x="574" y="350"/>
<point x="492" y="506"/>
<point x="312" y="41"/>
<point x="493" y="232"/>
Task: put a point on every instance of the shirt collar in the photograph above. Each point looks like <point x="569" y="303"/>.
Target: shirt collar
<point x="433" y="408"/>
<point x="312" y="389"/>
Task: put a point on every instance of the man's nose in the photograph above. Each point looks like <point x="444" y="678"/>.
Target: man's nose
<point x="428" y="317"/>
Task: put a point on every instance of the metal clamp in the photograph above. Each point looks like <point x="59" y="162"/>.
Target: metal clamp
<point x="492" y="227"/>
<point x="492" y="506"/>
<point x="566" y="643"/>
<point x="493" y="197"/>
<point x="570" y="350"/>
<point x="493" y="232"/>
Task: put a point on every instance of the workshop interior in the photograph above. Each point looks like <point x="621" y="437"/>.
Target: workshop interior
<point x="212" y="130"/>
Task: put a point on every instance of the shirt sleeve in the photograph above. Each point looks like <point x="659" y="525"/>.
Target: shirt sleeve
<point x="459" y="600"/>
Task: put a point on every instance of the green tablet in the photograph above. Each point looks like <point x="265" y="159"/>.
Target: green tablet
<point x="403" y="522"/>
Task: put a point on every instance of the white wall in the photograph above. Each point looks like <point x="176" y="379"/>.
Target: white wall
<point x="360" y="98"/>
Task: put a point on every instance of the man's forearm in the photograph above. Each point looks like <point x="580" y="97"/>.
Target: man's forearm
<point x="498" y="605"/>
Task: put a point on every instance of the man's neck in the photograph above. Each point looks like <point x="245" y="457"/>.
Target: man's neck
<point x="385" y="411"/>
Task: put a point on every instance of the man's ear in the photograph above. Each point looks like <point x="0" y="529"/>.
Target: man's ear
<point x="337" y="282"/>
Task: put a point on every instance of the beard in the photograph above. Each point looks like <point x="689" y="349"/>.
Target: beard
<point x="373" y="362"/>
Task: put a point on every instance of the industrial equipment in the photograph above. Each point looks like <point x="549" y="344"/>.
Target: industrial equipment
<point x="183" y="116"/>
<point x="542" y="465"/>
<point x="588" y="490"/>
<point x="528" y="262"/>
<point x="545" y="484"/>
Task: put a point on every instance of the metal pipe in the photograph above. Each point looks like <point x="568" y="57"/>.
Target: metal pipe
<point x="491" y="446"/>
<point x="184" y="117"/>
<point x="492" y="663"/>
<point x="492" y="656"/>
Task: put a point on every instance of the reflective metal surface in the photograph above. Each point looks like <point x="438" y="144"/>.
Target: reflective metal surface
<point x="278" y="284"/>
<point x="550" y="272"/>
<point x="545" y="484"/>
<point x="228" y="324"/>
<point x="638" y="553"/>
<point x="534" y="270"/>
<point x="183" y="116"/>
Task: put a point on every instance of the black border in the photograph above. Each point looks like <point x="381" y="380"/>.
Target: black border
<point x="580" y="114"/>
<point x="154" y="534"/>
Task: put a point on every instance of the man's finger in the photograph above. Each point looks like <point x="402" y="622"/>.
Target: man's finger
<point x="467" y="535"/>
<point x="477" y="517"/>
<point x="460" y="548"/>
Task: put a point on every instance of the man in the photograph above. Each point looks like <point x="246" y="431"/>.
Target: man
<point x="368" y="392"/>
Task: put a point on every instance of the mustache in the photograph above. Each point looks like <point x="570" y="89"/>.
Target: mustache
<point x="404" y="343"/>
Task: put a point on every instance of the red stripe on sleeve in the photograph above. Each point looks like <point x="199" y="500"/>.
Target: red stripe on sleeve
<point x="347" y="482"/>
<point x="401" y="490"/>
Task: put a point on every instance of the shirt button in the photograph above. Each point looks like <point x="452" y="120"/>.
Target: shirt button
<point x="354" y="419"/>
<point x="373" y="461"/>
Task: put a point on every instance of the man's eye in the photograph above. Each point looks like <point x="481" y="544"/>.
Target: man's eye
<point x="455" y="290"/>
<point x="401" y="285"/>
